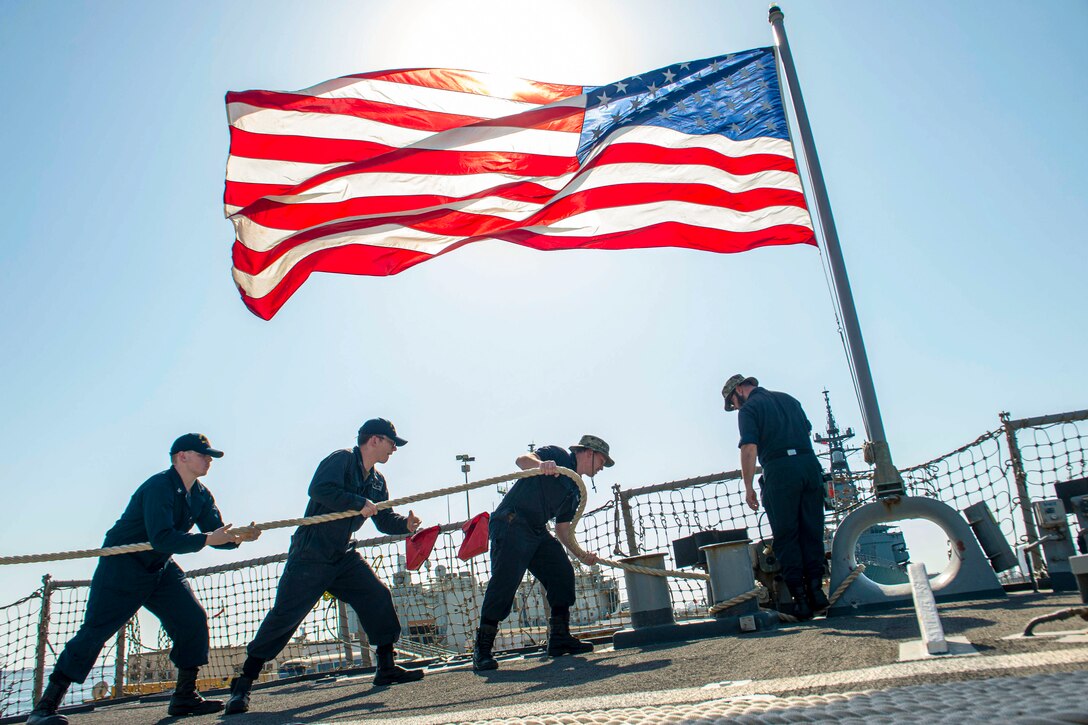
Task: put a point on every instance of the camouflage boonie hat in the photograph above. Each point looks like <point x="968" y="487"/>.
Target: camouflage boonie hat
<point x="593" y="443"/>
<point x="731" y="385"/>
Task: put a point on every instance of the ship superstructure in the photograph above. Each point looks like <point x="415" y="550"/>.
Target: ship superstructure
<point x="882" y="548"/>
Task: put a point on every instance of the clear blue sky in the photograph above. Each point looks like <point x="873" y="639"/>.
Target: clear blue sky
<point x="949" y="139"/>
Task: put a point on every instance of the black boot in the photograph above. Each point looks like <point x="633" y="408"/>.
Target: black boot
<point x="801" y="608"/>
<point x="561" y="641"/>
<point x="482" y="659"/>
<point x="814" y="595"/>
<point x="45" y="712"/>
<point x="187" y="701"/>
<point x="388" y="673"/>
<point x="239" y="695"/>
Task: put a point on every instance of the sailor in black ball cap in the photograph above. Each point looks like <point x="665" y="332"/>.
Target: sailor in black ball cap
<point x="162" y="511"/>
<point x="520" y="542"/>
<point x="322" y="558"/>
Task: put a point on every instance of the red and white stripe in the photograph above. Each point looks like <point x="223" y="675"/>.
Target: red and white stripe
<point x="374" y="173"/>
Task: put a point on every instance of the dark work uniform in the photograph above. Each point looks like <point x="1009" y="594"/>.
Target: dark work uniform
<point x="322" y="558"/>
<point x="160" y="512"/>
<point x="520" y="540"/>
<point x="792" y="488"/>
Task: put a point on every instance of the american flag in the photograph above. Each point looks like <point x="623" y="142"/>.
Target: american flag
<point x="373" y="173"/>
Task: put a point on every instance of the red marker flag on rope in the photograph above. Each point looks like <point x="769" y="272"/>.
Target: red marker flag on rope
<point x="476" y="538"/>
<point x="419" y="545"/>
<point x="370" y="174"/>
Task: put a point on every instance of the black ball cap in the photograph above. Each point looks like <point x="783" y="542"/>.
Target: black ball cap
<point x="196" y="442"/>
<point x="381" y="427"/>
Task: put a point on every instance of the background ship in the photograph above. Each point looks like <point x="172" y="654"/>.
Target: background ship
<point x="882" y="548"/>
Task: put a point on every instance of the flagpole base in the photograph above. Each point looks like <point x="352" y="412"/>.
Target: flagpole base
<point x="887" y="481"/>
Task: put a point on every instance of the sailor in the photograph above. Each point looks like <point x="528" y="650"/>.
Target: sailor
<point x="775" y="431"/>
<point x="520" y="541"/>
<point x="322" y="557"/>
<point x="162" y="511"/>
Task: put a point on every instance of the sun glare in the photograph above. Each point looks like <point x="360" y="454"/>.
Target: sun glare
<point x="540" y="42"/>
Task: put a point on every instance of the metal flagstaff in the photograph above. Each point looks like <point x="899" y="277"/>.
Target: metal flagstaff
<point x="886" y="478"/>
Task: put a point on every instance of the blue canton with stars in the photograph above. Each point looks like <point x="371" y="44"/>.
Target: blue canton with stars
<point x="734" y="95"/>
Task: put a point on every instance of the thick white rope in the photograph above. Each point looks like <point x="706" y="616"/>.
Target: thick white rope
<point x="646" y="569"/>
<point x="844" y="585"/>
<point x="404" y="501"/>
<point x="783" y="616"/>
<point x="305" y="521"/>
<point x="739" y="599"/>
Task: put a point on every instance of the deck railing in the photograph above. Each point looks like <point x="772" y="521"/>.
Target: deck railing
<point x="1007" y="468"/>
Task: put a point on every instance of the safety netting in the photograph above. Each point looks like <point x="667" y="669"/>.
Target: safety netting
<point x="439" y="603"/>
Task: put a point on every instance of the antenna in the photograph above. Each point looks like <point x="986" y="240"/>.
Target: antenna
<point x="842" y="490"/>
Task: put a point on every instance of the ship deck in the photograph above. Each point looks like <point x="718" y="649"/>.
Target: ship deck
<point x="826" y="669"/>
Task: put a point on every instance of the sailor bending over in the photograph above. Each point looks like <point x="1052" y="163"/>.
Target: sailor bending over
<point x="520" y="542"/>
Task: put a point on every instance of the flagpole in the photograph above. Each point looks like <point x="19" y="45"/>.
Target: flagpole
<point x="886" y="478"/>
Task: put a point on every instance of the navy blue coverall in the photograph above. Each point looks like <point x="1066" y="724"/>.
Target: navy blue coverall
<point x="323" y="558"/>
<point x="792" y="486"/>
<point x="520" y="540"/>
<point x="160" y="512"/>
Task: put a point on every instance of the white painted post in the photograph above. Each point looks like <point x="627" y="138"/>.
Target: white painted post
<point x="925" y="607"/>
<point x="1079" y="566"/>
